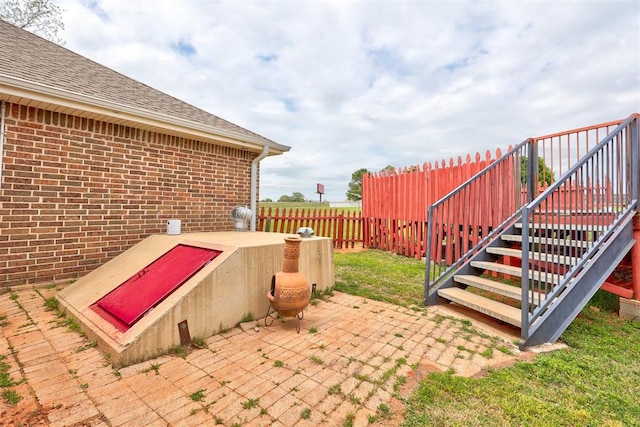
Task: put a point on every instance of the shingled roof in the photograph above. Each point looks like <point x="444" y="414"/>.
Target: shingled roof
<point x="43" y="74"/>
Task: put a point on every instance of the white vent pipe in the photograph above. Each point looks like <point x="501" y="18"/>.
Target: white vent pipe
<point x="254" y="185"/>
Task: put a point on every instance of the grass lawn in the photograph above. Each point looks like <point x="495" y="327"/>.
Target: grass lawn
<point x="381" y="276"/>
<point x="595" y="382"/>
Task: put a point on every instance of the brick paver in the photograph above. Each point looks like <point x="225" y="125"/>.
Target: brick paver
<point x="349" y="365"/>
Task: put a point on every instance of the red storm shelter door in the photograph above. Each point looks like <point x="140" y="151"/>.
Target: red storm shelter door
<point x="131" y="300"/>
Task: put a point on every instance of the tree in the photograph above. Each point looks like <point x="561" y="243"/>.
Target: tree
<point x="388" y="169"/>
<point x="295" y="197"/>
<point x="545" y="174"/>
<point x="354" y="192"/>
<point x="41" y="17"/>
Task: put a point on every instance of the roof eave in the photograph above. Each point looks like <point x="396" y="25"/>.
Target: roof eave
<point x="51" y="98"/>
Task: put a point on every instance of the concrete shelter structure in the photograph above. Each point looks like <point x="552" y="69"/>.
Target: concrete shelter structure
<point x="230" y="288"/>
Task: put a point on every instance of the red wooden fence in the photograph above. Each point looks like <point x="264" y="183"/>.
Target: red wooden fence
<point x="395" y="204"/>
<point x="344" y="227"/>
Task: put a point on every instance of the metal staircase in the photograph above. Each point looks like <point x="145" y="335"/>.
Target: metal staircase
<point x="535" y="262"/>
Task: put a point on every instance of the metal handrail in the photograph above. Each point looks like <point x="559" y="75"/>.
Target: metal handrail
<point x="481" y="179"/>
<point x="608" y="175"/>
<point x="443" y="233"/>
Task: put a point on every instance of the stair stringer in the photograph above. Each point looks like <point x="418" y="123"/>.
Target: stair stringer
<point x="466" y="268"/>
<point x="566" y="307"/>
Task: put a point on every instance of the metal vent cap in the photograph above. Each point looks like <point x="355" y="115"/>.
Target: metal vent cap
<point x="241" y="217"/>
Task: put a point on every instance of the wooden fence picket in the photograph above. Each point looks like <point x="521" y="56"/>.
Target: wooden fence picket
<point x="395" y="205"/>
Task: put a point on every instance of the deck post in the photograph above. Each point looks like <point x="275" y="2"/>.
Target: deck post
<point x="635" y="257"/>
<point x="532" y="170"/>
<point x="634" y="137"/>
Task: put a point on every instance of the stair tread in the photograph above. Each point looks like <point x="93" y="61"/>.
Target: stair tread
<point x="489" y="285"/>
<point x="564" y="227"/>
<point x="487" y="306"/>
<point x="516" y="271"/>
<point x="517" y="253"/>
<point x="479" y="282"/>
<point x="546" y="240"/>
<point x="500" y="268"/>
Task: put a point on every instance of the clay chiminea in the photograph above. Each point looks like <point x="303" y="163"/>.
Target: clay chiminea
<point x="289" y="292"/>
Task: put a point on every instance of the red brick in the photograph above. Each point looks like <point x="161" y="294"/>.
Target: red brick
<point x="93" y="189"/>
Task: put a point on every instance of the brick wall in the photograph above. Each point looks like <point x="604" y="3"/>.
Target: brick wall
<point x="76" y="192"/>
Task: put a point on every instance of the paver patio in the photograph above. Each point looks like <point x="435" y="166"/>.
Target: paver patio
<point x="351" y="361"/>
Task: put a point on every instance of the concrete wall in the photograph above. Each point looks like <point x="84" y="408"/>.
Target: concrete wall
<point x="76" y="192"/>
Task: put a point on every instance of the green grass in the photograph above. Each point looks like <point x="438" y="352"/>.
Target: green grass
<point x="72" y="326"/>
<point x="594" y="382"/>
<point x="6" y="380"/>
<point x="11" y="397"/>
<point x="305" y="414"/>
<point x="198" y="395"/>
<point x="383" y="410"/>
<point x="250" y="403"/>
<point x="199" y="342"/>
<point x="152" y="367"/>
<point x="178" y="350"/>
<point x="381" y="276"/>
<point x="348" y="422"/>
<point x="247" y="317"/>
<point x="335" y="389"/>
<point x="51" y="304"/>
<point x="316" y="359"/>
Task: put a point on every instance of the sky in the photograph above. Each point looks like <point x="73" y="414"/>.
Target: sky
<point x="366" y="84"/>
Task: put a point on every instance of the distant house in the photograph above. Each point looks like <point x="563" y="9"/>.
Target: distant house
<point x="93" y="161"/>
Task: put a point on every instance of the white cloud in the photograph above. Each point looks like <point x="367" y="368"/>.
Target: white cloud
<point x="367" y="84"/>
